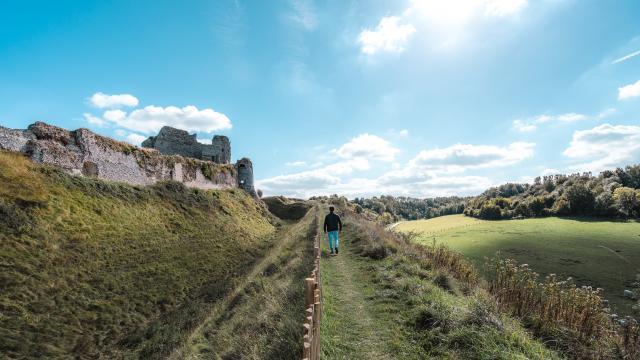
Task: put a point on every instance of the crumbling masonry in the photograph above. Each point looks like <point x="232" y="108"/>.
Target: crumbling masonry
<point x="171" y="155"/>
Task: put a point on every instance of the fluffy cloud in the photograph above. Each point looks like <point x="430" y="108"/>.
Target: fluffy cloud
<point x="135" y="139"/>
<point x="629" y="91"/>
<point x="150" y="119"/>
<point x="428" y="174"/>
<point x="532" y="123"/>
<point x="456" y="159"/>
<point x="105" y="101"/>
<point x="303" y="184"/>
<point x="368" y="147"/>
<point x="460" y="157"/>
<point x="390" y="35"/>
<point x="94" y="120"/>
<point x="605" y="146"/>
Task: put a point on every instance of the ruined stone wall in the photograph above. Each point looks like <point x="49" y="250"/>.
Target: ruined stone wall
<point x="83" y="152"/>
<point x="172" y="141"/>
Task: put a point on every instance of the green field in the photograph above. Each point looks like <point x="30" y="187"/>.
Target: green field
<point x="603" y="254"/>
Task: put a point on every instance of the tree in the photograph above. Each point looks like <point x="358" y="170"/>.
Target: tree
<point x="580" y="198"/>
<point x="536" y="205"/>
<point x="605" y="205"/>
<point x="490" y="211"/>
<point x="626" y="200"/>
<point x="562" y="207"/>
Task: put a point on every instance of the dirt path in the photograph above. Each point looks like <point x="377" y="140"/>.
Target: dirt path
<point x="349" y="329"/>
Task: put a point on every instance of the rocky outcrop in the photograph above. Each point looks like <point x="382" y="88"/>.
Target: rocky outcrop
<point x="83" y="152"/>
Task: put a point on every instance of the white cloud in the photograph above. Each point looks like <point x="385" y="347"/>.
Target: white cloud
<point x="571" y="117"/>
<point x="296" y="163"/>
<point x="532" y="123"/>
<point x="114" y="115"/>
<point x="460" y="157"/>
<point x="94" y="120"/>
<point x="204" y="141"/>
<point x="428" y="174"/>
<point x="102" y="101"/>
<point x="605" y="146"/>
<point x="626" y="57"/>
<point x="150" y="119"/>
<point x="303" y="184"/>
<point x="606" y="113"/>
<point x="446" y="19"/>
<point x="120" y="132"/>
<point x="369" y="147"/>
<point x="390" y="35"/>
<point x="629" y="91"/>
<point x="135" y="139"/>
<point x="523" y="126"/>
<point x="404" y="133"/>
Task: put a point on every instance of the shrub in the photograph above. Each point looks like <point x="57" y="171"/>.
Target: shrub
<point x="581" y="199"/>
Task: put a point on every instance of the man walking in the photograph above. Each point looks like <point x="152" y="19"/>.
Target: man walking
<point x="333" y="228"/>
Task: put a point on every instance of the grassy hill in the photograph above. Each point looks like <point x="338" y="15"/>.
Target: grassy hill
<point x="603" y="254"/>
<point x="94" y="269"/>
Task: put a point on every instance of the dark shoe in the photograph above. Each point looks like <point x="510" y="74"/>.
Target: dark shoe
<point x="337" y="251"/>
<point x="332" y="253"/>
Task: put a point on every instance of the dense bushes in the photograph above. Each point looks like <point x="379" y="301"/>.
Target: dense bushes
<point x="407" y="208"/>
<point x="610" y="194"/>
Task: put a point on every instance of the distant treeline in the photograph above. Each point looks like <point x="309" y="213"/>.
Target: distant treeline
<point x="407" y="208"/>
<point x="612" y="194"/>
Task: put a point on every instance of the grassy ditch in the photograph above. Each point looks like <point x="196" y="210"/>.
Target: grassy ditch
<point x="94" y="269"/>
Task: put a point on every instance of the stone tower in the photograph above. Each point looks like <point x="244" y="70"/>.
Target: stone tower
<point x="222" y="149"/>
<point x="245" y="175"/>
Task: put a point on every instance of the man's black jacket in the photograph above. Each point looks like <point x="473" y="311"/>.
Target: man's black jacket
<point x="332" y="222"/>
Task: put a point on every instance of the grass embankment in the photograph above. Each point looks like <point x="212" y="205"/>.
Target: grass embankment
<point x="261" y="318"/>
<point x="93" y="269"/>
<point x="385" y="298"/>
<point x="604" y="254"/>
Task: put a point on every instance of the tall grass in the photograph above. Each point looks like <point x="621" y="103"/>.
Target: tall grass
<point x="575" y="317"/>
<point x="430" y="298"/>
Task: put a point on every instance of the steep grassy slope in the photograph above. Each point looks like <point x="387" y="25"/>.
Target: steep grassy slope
<point x="262" y="317"/>
<point x="94" y="269"/>
<point x="603" y="254"/>
<point x="384" y="298"/>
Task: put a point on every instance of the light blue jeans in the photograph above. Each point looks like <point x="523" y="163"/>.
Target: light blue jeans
<point x="334" y="239"/>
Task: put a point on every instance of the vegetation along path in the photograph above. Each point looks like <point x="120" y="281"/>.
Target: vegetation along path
<point x="352" y="325"/>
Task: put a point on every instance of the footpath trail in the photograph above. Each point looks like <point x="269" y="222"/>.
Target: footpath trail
<point x="350" y="328"/>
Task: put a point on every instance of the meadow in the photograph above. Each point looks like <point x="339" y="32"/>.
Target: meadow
<point x="603" y="254"/>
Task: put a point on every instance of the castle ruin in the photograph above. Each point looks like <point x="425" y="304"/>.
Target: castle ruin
<point x="171" y="155"/>
<point x="172" y="141"/>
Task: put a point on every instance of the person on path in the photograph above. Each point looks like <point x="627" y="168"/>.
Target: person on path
<point x="333" y="229"/>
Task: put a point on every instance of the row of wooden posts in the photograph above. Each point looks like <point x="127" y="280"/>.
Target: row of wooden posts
<point x="313" y="306"/>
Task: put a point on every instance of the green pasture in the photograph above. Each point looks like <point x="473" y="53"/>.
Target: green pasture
<point x="602" y="254"/>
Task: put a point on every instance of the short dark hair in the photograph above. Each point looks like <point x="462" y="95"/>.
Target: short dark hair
<point x="331" y="208"/>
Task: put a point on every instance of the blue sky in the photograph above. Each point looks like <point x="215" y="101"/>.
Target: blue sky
<point x="360" y="98"/>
